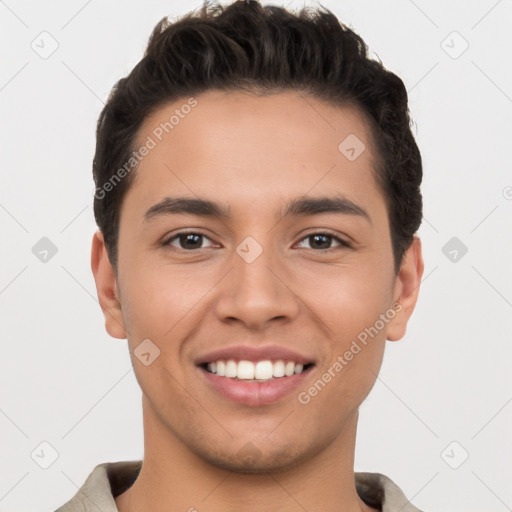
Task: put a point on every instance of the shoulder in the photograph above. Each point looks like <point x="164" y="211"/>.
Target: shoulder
<point x="104" y="483"/>
<point x="379" y="491"/>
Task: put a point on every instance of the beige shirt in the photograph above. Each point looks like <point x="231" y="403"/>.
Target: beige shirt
<point x="111" y="479"/>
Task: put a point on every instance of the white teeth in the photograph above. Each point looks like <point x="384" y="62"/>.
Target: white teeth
<point x="245" y="370"/>
<point x="290" y="369"/>
<point x="278" y="369"/>
<point x="231" y="369"/>
<point x="264" y="370"/>
<point x="260" y="371"/>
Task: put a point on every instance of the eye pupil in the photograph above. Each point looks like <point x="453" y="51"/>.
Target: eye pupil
<point x="188" y="237"/>
<point x="325" y="244"/>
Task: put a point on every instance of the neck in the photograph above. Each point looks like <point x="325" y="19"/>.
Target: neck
<point x="173" y="478"/>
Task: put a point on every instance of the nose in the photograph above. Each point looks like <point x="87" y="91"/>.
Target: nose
<point x="257" y="293"/>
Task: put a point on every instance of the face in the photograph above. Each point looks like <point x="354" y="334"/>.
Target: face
<point x="293" y="262"/>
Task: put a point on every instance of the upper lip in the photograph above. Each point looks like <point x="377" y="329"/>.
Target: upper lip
<point x="252" y="353"/>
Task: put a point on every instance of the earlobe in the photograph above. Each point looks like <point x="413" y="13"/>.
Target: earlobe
<point x="407" y="287"/>
<point x="107" y="287"/>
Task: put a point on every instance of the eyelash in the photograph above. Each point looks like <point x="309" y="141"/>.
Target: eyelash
<point x="343" y="243"/>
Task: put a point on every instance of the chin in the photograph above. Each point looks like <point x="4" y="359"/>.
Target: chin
<point x="252" y="461"/>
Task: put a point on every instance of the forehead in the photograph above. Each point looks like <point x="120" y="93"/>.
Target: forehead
<point x="294" y="112"/>
<point x="250" y="148"/>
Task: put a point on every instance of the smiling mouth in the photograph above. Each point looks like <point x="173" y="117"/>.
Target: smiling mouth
<point x="260" y="371"/>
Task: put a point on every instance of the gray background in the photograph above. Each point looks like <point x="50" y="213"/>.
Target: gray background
<point x="444" y="391"/>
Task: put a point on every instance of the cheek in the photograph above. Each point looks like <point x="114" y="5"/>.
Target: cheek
<point x="346" y="376"/>
<point x="357" y="314"/>
<point x="349" y="299"/>
<point x="359" y="318"/>
<point x="157" y="300"/>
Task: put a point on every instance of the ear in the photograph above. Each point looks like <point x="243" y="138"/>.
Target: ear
<point x="107" y="288"/>
<point x="407" y="287"/>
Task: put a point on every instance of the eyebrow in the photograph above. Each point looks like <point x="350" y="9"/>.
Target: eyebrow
<point x="297" y="207"/>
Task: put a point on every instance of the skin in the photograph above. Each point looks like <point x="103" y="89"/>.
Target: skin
<point x="253" y="154"/>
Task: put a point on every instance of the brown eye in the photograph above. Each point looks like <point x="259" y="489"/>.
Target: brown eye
<point x="187" y="240"/>
<point x="323" y="241"/>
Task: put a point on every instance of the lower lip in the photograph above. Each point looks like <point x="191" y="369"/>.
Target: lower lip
<point x="254" y="393"/>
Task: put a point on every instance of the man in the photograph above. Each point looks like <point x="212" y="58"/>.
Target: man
<point x="282" y="154"/>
